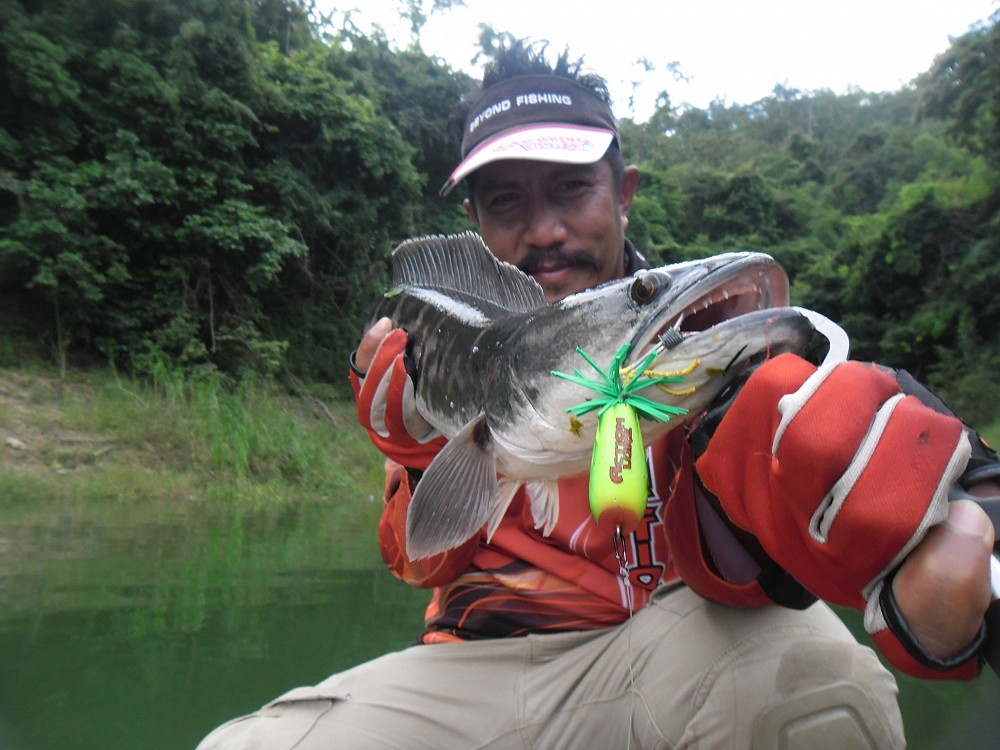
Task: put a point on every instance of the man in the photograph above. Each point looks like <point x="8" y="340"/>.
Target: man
<point x="540" y="641"/>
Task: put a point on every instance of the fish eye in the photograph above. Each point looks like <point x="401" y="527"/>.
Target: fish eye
<point x="644" y="288"/>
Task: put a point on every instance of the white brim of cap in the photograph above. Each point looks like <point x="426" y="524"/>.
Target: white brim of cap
<point x="564" y="144"/>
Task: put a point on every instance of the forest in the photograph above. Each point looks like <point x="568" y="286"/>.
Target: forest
<point x="215" y="185"/>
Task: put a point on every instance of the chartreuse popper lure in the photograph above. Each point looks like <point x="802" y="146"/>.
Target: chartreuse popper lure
<point x="619" y="479"/>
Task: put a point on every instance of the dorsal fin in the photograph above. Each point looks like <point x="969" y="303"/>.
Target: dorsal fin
<point x="464" y="265"/>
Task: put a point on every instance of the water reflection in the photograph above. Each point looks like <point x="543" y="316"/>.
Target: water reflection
<point x="137" y="628"/>
<point x="147" y="635"/>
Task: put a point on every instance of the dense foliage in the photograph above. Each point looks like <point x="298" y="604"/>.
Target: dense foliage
<point x="217" y="183"/>
<point x="208" y="180"/>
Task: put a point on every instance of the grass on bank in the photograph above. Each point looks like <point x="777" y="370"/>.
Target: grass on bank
<point x="98" y="436"/>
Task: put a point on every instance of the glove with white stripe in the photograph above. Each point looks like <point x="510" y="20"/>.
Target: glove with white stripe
<point x="838" y="473"/>
<point x="386" y="404"/>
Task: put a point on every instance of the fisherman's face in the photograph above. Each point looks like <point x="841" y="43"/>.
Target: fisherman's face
<point x="564" y="224"/>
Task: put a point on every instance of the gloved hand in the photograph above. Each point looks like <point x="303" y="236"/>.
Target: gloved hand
<point x="384" y="391"/>
<point x="837" y="472"/>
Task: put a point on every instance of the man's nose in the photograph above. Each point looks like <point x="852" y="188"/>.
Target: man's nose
<point x="545" y="226"/>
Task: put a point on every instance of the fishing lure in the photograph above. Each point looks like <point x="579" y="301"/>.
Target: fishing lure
<point x="619" y="478"/>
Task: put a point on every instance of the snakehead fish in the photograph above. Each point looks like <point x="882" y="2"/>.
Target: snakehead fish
<point x="484" y="342"/>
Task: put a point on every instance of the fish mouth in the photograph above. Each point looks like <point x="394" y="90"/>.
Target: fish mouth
<point x="749" y="283"/>
<point x="731" y="300"/>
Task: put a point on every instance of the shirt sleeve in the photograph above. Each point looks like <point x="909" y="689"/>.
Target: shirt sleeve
<point x="437" y="570"/>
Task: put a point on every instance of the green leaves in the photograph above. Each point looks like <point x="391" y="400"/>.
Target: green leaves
<point x="235" y="227"/>
<point x="190" y="177"/>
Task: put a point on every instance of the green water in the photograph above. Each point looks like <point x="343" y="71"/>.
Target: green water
<point x="145" y="634"/>
<point x="125" y="627"/>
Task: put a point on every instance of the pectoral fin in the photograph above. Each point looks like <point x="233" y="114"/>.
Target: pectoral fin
<point x="456" y="495"/>
<point x="506" y="490"/>
<point x="544" y="497"/>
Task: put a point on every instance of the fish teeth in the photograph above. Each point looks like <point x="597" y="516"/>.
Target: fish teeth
<point x="726" y="294"/>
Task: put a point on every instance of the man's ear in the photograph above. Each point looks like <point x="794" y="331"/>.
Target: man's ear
<point x="630" y="183"/>
<point x="470" y="211"/>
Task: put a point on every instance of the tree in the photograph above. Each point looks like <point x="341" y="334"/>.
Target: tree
<point x="963" y="88"/>
<point x="173" y="174"/>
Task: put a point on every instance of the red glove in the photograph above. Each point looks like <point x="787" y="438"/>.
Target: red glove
<point x="387" y="407"/>
<point x="839" y="479"/>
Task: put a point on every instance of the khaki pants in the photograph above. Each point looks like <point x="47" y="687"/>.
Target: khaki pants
<point x="701" y="676"/>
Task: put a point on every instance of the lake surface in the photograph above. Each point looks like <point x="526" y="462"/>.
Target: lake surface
<point x="129" y="633"/>
<point x="139" y="629"/>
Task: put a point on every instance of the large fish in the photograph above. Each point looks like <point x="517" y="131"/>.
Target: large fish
<point x="485" y="342"/>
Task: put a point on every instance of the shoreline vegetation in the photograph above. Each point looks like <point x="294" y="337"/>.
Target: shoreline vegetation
<point x="99" y="438"/>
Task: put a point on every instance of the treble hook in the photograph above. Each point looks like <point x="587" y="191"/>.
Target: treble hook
<point x="621" y="554"/>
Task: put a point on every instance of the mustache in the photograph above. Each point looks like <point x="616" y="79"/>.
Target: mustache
<point x="540" y="260"/>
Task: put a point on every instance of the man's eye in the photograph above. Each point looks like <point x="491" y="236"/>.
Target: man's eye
<point x="573" y="186"/>
<point x="501" y="199"/>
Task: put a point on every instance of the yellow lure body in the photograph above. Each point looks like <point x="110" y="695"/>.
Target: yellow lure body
<point x="619" y="478"/>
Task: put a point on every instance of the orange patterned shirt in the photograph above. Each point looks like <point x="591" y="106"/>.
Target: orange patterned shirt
<point x="521" y="581"/>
